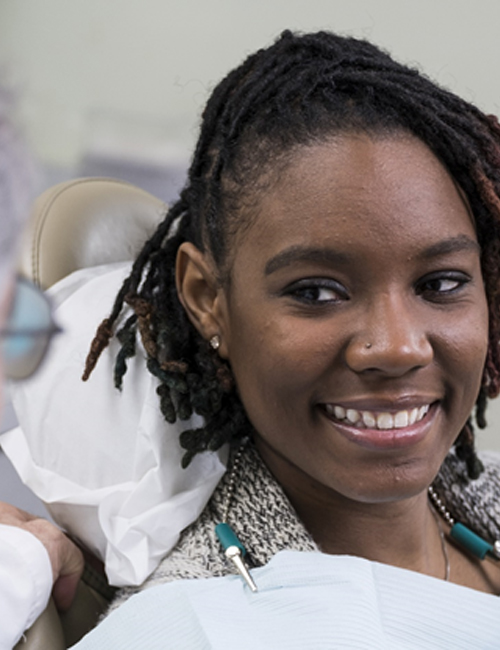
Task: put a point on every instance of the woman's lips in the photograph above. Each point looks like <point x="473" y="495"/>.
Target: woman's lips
<point x="382" y="429"/>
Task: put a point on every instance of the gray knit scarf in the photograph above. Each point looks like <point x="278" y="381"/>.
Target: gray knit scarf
<point x="266" y="522"/>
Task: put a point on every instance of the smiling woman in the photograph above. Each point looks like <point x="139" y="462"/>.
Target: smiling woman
<point x="326" y="291"/>
<point x="381" y="276"/>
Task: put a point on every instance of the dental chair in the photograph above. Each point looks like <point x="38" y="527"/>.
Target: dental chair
<point x="74" y="225"/>
<point x="86" y="222"/>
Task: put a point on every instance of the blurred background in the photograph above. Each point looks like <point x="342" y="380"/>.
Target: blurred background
<point x="116" y="87"/>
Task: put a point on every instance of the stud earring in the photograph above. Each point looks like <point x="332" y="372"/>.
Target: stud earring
<point x="215" y="342"/>
<point x="368" y="346"/>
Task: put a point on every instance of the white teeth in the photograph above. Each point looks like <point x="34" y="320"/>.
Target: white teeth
<point x="339" y="412"/>
<point x="384" y="420"/>
<point x="369" y="420"/>
<point x="353" y="416"/>
<point x="422" y="411"/>
<point x="401" y="419"/>
<point x="412" y="416"/>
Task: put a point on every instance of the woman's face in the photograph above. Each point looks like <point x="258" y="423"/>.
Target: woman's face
<point x="356" y="319"/>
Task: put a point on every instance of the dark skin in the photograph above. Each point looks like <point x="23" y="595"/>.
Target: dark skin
<point x="357" y="287"/>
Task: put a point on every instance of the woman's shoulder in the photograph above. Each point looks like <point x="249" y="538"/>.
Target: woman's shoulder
<point x="473" y="502"/>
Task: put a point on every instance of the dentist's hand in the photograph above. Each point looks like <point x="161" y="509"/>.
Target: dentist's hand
<point x="65" y="557"/>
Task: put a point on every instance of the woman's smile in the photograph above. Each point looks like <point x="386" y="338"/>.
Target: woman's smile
<point x="383" y="430"/>
<point x="356" y="318"/>
<point x="373" y="419"/>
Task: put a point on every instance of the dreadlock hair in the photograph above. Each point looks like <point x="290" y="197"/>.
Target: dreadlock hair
<point x="302" y="89"/>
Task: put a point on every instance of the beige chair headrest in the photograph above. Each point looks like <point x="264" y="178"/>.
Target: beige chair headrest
<point x="87" y="222"/>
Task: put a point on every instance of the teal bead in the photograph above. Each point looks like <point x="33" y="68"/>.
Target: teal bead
<point x="469" y="540"/>
<point x="227" y="537"/>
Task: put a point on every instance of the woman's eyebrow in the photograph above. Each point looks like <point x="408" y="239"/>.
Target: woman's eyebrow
<point x="305" y="254"/>
<point x="331" y="256"/>
<point x="451" y="245"/>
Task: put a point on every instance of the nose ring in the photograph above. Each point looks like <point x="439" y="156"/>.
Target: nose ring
<point x="368" y="345"/>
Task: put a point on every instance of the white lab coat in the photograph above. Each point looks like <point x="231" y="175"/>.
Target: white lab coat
<point x="25" y="583"/>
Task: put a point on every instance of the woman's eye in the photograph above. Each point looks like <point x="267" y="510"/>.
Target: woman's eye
<point x="442" y="286"/>
<point x="317" y="293"/>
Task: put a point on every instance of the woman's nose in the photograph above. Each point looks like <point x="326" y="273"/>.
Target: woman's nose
<point x="392" y="340"/>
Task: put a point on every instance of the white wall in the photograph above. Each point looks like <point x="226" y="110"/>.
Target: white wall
<point x="158" y="59"/>
<point x="84" y="65"/>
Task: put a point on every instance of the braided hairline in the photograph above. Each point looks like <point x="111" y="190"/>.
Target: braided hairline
<point x="301" y="89"/>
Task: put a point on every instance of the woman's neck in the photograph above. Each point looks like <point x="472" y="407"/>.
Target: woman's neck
<point x="403" y="533"/>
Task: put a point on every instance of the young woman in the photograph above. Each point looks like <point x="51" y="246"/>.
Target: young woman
<point x="325" y="294"/>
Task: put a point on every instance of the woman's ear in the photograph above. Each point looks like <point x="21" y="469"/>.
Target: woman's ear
<point x="200" y="293"/>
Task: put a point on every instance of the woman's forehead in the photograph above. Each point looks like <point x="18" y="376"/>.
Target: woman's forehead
<point x="361" y="190"/>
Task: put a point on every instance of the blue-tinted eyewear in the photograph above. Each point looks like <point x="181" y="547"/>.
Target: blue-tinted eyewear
<point x="28" y="331"/>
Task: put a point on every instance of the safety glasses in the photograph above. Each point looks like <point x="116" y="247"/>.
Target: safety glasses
<point x="28" y="331"/>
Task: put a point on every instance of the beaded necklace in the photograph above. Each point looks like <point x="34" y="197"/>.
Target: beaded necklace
<point x="463" y="535"/>
<point x="235" y="550"/>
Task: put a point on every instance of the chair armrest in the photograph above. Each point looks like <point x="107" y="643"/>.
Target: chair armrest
<point x="61" y="630"/>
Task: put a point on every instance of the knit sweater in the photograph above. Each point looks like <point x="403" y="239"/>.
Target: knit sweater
<point x="265" y="521"/>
